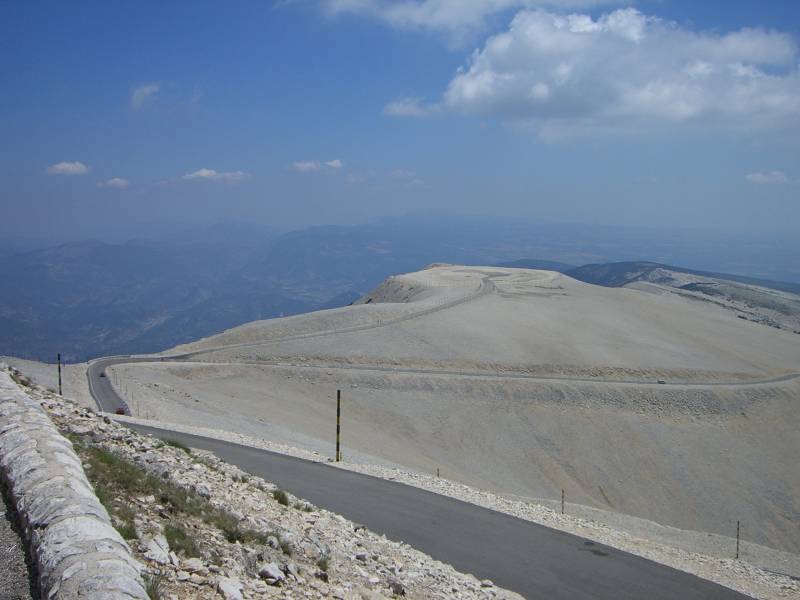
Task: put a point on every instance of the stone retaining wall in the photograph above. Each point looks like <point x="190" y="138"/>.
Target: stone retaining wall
<point x="78" y="552"/>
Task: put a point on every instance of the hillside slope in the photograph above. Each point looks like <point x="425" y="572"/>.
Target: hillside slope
<point x="526" y="382"/>
<point x="772" y="303"/>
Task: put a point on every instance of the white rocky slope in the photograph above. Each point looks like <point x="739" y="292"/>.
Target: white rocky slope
<point x="522" y="382"/>
<point x="770" y="307"/>
<point x="308" y="552"/>
<point x="525" y="383"/>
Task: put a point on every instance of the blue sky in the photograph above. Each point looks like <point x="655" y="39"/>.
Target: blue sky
<point x="121" y="116"/>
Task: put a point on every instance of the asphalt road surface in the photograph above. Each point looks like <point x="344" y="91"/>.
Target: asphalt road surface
<point x="107" y="398"/>
<point x="533" y="560"/>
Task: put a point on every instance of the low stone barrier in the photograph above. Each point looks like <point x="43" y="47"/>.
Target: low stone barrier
<point x="78" y="552"/>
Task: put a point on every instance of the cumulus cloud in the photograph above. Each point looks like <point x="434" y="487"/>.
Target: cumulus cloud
<point x="565" y="75"/>
<point x="311" y="166"/>
<point x="770" y="178"/>
<point x="212" y="175"/>
<point x="143" y="94"/>
<point x="68" y="168"/>
<point x="114" y="182"/>
<point x="457" y="18"/>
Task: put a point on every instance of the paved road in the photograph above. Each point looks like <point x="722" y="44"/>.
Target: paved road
<point x="530" y="559"/>
<point x="100" y="386"/>
<point x="488" y="375"/>
<point x="105" y="395"/>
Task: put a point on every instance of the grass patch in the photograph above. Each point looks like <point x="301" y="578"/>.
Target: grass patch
<point x="180" y="541"/>
<point x="125" y="515"/>
<point x="323" y="563"/>
<point x="178" y="445"/>
<point x="153" y="583"/>
<point x="281" y="497"/>
<point x="114" y="478"/>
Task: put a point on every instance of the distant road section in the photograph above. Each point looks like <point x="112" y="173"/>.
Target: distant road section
<point x="532" y="560"/>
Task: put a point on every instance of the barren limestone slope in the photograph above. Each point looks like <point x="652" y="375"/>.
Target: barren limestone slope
<point x="515" y="318"/>
<point x="526" y="382"/>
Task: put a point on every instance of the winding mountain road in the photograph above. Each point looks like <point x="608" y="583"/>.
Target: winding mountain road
<point x="530" y="559"/>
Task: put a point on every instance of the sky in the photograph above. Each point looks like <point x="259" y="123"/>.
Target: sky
<point x="119" y="117"/>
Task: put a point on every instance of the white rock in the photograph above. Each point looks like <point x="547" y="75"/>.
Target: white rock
<point x="156" y="549"/>
<point x="192" y="565"/>
<point x="230" y="588"/>
<point x="271" y="572"/>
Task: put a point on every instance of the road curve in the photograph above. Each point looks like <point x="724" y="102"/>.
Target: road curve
<point x="530" y="559"/>
<point x="101" y="387"/>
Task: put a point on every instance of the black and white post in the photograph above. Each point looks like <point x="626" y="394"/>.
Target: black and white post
<point x="59" y="374"/>
<point x="338" y="423"/>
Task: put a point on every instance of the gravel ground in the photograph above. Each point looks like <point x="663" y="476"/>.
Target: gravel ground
<point x="17" y="579"/>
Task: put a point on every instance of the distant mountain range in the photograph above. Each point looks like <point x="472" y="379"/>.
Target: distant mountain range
<point x="91" y="298"/>
<point x="619" y="274"/>
<point x="772" y="303"/>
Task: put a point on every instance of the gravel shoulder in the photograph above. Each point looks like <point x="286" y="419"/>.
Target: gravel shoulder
<point x="17" y="575"/>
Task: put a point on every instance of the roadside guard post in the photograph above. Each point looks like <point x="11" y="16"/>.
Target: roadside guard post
<point x="338" y="422"/>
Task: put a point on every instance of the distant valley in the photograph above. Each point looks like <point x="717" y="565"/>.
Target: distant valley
<point x="91" y="298"/>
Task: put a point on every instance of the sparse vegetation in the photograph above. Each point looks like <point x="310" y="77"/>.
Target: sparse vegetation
<point x="178" y="445"/>
<point x="180" y="541"/>
<point x="123" y="517"/>
<point x="115" y="478"/>
<point x="323" y="563"/>
<point x="281" y="497"/>
<point x="153" y="584"/>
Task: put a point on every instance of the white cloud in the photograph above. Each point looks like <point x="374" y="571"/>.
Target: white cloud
<point x="143" y="94"/>
<point x="114" y="182"/>
<point x="457" y="18"/>
<point x="68" y="168"/>
<point x="773" y="177"/>
<point x="310" y="166"/>
<point x="212" y="175"/>
<point x="566" y="75"/>
<point x="306" y="166"/>
<point x="409" y="107"/>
